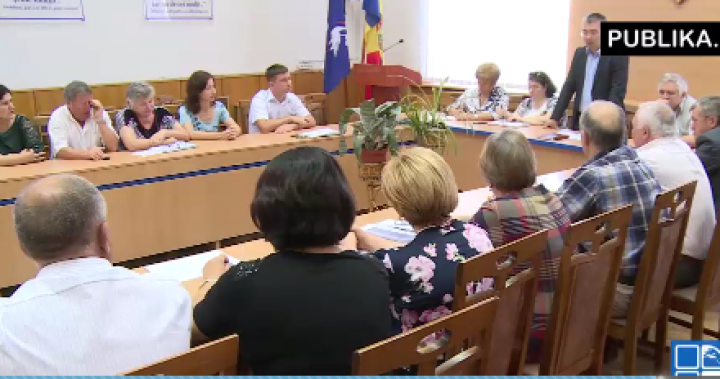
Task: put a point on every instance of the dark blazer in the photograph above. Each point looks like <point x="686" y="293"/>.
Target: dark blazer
<point x="708" y="150"/>
<point x="610" y="83"/>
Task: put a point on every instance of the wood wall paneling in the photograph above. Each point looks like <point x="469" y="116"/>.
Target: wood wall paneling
<point x="24" y="102"/>
<point x="46" y="100"/>
<point x="307" y="82"/>
<point x="112" y="96"/>
<point x="700" y="72"/>
<point x="240" y="87"/>
<point x="172" y="88"/>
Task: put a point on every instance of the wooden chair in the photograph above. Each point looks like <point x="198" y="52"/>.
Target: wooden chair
<point x="575" y="338"/>
<point x="654" y="282"/>
<point x="510" y="337"/>
<point x="316" y="103"/>
<point x="219" y="356"/>
<point x="705" y="296"/>
<point x="243" y="117"/>
<point x="470" y="324"/>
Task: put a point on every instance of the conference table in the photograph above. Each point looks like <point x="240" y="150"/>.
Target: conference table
<point x="468" y="204"/>
<point x="167" y="202"/>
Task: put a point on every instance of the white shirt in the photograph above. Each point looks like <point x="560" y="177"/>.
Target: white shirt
<point x="674" y="164"/>
<point x="65" y="131"/>
<point x="86" y="317"/>
<point x="265" y="106"/>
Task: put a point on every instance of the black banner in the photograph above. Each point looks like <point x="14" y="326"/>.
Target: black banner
<point x="667" y="38"/>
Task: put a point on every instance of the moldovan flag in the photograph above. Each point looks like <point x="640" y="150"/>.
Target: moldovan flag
<point x="373" y="46"/>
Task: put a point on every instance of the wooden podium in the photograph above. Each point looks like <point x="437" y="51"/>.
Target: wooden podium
<point x="385" y="81"/>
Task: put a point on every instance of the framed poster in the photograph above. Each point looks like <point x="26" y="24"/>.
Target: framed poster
<point x="42" y="10"/>
<point x="179" y="9"/>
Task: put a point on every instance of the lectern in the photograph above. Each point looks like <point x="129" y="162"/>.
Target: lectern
<point x="384" y="81"/>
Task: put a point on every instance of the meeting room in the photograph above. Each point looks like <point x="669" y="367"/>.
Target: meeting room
<point x="358" y="187"/>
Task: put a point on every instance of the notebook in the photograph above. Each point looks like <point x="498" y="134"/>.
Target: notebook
<point x="394" y="230"/>
<point x="317" y="133"/>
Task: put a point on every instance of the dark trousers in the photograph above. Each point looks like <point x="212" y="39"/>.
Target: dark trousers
<point x="688" y="272"/>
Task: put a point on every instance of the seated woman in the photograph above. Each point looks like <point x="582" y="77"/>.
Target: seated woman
<point x="518" y="209"/>
<point x="305" y="309"/>
<point x="421" y="187"/>
<point x="482" y="103"/>
<point x="536" y="109"/>
<point x="142" y="125"/>
<point x="201" y="115"/>
<point x="20" y="142"/>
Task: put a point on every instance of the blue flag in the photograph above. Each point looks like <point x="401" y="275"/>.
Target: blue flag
<point x="337" y="57"/>
<point x="372" y="12"/>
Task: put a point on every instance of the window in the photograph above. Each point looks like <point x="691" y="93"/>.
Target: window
<point x="520" y="36"/>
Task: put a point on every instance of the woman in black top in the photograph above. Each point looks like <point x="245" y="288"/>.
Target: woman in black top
<point x="304" y="309"/>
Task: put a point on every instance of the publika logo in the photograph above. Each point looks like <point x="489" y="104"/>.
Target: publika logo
<point x="695" y="358"/>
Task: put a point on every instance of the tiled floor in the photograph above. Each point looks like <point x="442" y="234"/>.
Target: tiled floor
<point x="645" y="363"/>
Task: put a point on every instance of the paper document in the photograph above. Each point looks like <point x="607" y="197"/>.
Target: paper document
<point x="508" y="124"/>
<point x="324" y="132"/>
<point x="572" y="134"/>
<point x="187" y="268"/>
<point x="394" y="230"/>
<point x="163" y="149"/>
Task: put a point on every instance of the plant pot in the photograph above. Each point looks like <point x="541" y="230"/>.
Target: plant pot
<point x="373" y="156"/>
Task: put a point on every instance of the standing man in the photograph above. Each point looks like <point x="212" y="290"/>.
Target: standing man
<point x="276" y="109"/>
<point x="81" y="129"/>
<point x="592" y="76"/>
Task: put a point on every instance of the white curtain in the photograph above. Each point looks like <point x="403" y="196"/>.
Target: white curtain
<point x="520" y="36"/>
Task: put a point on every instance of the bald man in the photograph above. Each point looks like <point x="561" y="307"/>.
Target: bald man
<point x="613" y="176"/>
<point x="80" y="315"/>
<point x="656" y="134"/>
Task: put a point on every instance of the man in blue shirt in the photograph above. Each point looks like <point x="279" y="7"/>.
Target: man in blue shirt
<point x="592" y="76"/>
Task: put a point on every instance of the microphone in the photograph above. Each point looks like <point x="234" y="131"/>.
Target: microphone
<point x="393" y="45"/>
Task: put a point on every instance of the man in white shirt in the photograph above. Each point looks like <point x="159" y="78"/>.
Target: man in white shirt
<point x="81" y="129"/>
<point x="276" y="109"/>
<point x="80" y="315"/>
<point x="655" y="134"/>
<point x="673" y="90"/>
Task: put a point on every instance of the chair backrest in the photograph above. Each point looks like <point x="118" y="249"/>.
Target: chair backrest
<point x="575" y="338"/>
<point x="316" y="103"/>
<point x="708" y="292"/>
<point x="244" y="115"/>
<point x="470" y="324"/>
<point x="517" y="297"/>
<point x="217" y="357"/>
<point x="663" y="247"/>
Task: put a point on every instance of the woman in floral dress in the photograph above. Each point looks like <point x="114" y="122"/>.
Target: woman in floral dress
<point x="421" y="187"/>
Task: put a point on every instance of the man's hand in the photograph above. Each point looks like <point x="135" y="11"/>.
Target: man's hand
<point x="96" y="153"/>
<point x="287" y="128"/>
<point x="97" y="110"/>
<point x="551" y="124"/>
<point x="297" y="120"/>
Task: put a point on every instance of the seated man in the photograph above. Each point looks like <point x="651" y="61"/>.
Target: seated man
<point x="705" y="120"/>
<point x="613" y="177"/>
<point x="673" y="90"/>
<point x="276" y="109"/>
<point x="81" y="129"/>
<point x="81" y="315"/>
<point x="655" y="133"/>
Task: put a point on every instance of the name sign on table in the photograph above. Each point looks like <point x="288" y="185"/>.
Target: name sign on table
<point x="42" y="10"/>
<point x="179" y="9"/>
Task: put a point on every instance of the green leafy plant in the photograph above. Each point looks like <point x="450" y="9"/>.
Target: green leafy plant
<point x="374" y="131"/>
<point x="426" y="120"/>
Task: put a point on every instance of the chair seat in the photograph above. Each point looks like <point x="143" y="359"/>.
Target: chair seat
<point x="689" y="293"/>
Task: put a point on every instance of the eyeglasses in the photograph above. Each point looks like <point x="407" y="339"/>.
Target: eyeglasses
<point x="591" y="32"/>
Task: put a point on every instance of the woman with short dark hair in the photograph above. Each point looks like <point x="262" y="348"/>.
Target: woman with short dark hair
<point x="305" y="309"/>
<point x="538" y="107"/>
<point x="20" y="142"/>
<point x="202" y="115"/>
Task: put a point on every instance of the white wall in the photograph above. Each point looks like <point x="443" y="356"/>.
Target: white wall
<point x="117" y="44"/>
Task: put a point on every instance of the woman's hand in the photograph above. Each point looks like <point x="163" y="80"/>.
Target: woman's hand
<point x="216" y="267"/>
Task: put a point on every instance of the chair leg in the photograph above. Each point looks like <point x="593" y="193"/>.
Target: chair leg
<point x="629" y="352"/>
<point x="698" y="326"/>
<point x="661" y="328"/>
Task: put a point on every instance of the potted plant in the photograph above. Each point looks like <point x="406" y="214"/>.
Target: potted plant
<point x="374" y="134"/>
<point x="426" y="119"/>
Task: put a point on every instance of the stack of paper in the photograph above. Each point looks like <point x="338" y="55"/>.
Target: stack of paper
<point x="317" y="133"/>
<point x="508" y="124"/>
<point x="394" y="230"/>
<point x="187" y="268"/>
<point x="163" y="149"/>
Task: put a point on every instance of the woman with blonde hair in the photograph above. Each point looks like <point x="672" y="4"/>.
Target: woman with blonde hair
<point x="421" y="187"/>
<point x="482" y="103"/>
<point x="519" y="208"/>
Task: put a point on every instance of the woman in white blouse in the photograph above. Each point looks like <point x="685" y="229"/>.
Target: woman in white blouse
<point x="537" y="108"/>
